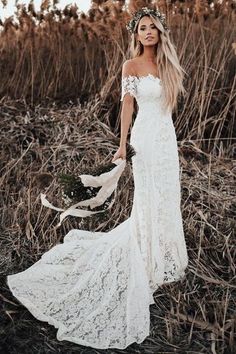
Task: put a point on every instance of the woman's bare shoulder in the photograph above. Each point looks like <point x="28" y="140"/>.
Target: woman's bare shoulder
<point x="129" y="67"/>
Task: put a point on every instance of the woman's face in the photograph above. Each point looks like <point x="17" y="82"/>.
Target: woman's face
<point x="148" y="33"/>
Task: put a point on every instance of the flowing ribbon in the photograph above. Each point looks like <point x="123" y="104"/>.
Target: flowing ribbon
<point x="108" y="182"/>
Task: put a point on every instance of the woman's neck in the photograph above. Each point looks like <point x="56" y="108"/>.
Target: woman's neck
<point x="149" y="54"/>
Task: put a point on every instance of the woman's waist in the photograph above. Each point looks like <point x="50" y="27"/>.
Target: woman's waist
<point x="147" y="123"/>
<point x="155" y="116"/>
<point x="152" y="109"/>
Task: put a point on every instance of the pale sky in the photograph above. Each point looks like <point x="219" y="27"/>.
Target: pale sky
<point x="9" y="10"/>
<point x="83" y="5"/>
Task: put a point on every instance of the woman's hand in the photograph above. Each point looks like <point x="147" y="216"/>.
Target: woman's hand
<point x="120" y="153"/>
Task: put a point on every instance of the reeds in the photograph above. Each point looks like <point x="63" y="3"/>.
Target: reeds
<point x="65" y="55"/>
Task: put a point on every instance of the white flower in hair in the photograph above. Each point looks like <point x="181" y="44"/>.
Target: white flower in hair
<point x="146" y="11"/>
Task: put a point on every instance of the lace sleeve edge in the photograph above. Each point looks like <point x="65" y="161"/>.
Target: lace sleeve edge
<point x="128" y="84"/>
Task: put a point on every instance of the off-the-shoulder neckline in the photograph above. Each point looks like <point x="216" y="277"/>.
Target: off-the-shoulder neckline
<point x="142" y="76"/>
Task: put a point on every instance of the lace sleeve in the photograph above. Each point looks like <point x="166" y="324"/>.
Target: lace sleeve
<point x="128" y="85"/>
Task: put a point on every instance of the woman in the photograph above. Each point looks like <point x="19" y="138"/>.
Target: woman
<point x="96" y="287"/>
<point x="154" y="78"/>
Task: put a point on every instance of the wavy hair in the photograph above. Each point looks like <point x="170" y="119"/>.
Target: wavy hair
<point x="170" y="71"/>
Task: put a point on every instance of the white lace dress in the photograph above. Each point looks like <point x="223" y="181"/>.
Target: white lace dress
<point x="96" y="287"/>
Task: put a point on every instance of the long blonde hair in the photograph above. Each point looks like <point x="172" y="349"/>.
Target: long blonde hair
<point x="170" y="71"/>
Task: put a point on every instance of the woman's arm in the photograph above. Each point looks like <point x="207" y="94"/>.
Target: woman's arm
<point x="127" y="104"/>
<point x="128" y="93"/>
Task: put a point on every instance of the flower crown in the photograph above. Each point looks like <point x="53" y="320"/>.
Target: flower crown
<point x="146" y="11"/>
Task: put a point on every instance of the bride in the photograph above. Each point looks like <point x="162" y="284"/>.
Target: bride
<point x="96" y="287"/>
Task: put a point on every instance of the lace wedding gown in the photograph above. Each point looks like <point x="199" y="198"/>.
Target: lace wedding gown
<point x="96" y="287"/>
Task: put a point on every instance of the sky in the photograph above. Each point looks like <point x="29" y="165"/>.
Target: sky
<point x="7" y="11"/>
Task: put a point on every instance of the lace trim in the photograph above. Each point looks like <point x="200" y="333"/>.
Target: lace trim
<point x="128" y="85"/>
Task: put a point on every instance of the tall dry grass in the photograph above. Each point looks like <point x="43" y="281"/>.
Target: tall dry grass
<point x="59" y="106"/>
<point x="65" y="55"/>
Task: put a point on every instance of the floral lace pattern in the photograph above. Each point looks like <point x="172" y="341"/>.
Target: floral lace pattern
<point x="96" y="287"/>
<point x="128" y="85"/>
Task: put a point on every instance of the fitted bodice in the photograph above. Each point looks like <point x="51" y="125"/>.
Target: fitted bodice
<point x="147" y="90"/>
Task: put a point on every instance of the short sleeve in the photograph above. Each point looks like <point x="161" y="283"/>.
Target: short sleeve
<point x="128" y="85"/>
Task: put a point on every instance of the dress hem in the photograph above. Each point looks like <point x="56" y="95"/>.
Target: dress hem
<point x="39" y="315"/>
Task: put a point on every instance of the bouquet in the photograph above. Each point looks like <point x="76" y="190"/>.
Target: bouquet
<point x="94" y="188"/>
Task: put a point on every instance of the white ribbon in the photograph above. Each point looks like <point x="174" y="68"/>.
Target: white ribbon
<point x="108" y="182"/>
